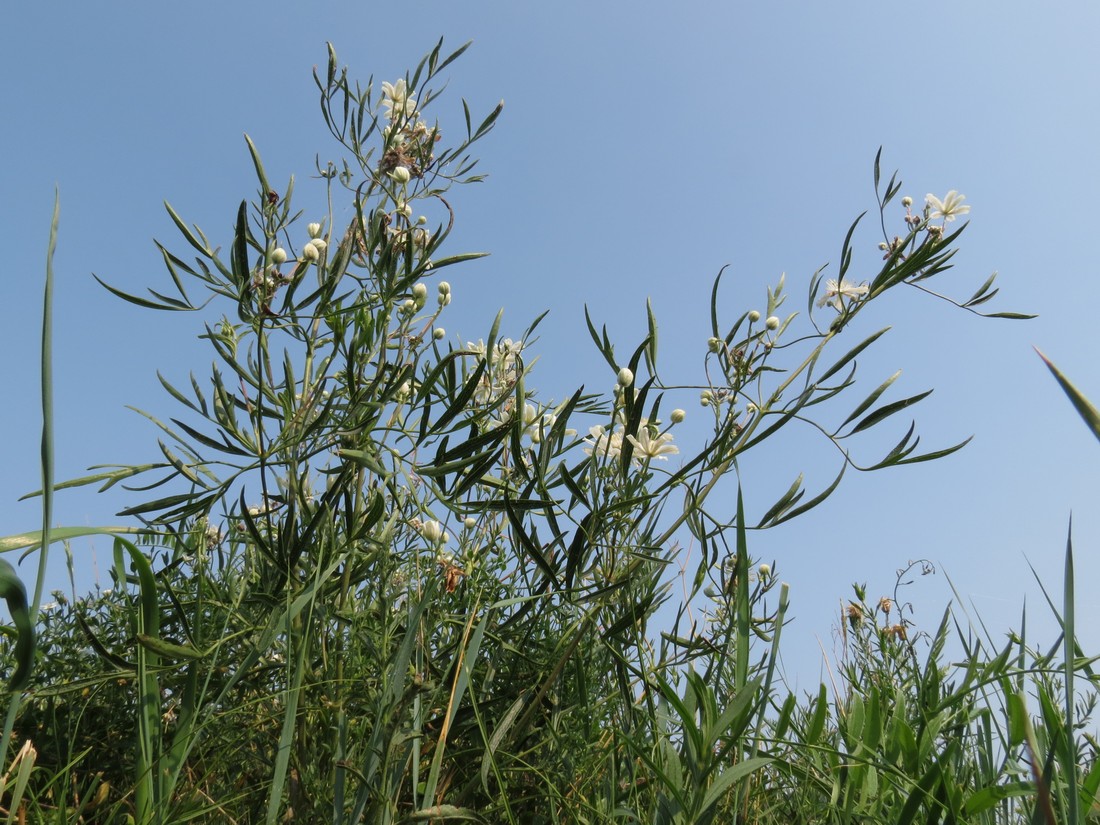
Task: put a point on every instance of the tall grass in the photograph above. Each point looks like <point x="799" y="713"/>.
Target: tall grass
<point x="373" y="577"/>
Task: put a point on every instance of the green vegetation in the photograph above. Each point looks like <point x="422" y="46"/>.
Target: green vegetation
<point x="374" y="577"/>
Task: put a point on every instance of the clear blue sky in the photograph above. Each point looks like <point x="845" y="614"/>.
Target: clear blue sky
<point x="640" y="150"/>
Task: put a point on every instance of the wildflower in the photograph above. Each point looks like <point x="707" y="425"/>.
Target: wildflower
<point x="647" y="446"/>
<point x="772" y="322"/>
<point x="314" y="230"/>
<point x="837" y="291"/>
<point x="278" y="255"/>
<point x="949" y="208"/>
<point x="678" y="416"/>
<point x="886" y="604"/>
<point x="213" y="537"/>
<point x="603" y="443"/>
<point x="432" y="531"/>
<point x="396" y="100"/>
<point x="625" y="377"/>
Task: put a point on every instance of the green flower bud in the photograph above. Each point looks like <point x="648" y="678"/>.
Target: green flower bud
<point x="754" y="316"/>
<point x="625" y="377"/>
<point x="401" y="174"/>
<point x="278" y="255"/>
<point x="678" y="416"/>
<point x="772" y="322"/>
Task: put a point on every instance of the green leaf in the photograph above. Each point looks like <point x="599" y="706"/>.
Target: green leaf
<point x="13" y="592"/>
<point x="1083" y="406"/>
<point x="169" y="650"/>
<point x="885" y="412"/>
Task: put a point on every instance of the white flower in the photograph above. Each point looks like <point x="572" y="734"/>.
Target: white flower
<point x="949" y="208"/>
<point x="647" y="446"/>
<point x="396" y="100"/>
<point x="836" y="291"/>
<point x="603" y="443"/>
<point x="432" y="531"/>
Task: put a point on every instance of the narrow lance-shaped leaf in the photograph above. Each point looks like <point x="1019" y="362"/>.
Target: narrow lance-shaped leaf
<point x="1083" y="406"/>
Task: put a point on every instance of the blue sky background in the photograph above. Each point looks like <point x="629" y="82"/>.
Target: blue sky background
<point x="641" y="149"/>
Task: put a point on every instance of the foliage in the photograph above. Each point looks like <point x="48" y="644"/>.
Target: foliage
<point x="377" y="578"/>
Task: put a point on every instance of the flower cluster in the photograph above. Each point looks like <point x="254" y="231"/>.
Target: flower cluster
<point x="648" y="444"/>
<point x="502" y="372"/>
<point x="409" y="141"/>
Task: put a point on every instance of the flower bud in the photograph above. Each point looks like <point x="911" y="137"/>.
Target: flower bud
<point x="772" y="322"/>
<point x="419" y="293"/>
<point x="706" y="397"/>
<point x="444" y="288"/>
<point x="320" y="243"/>
<point x="432" y="531"/>
<point x="907" y="201"/>
<point x="439" y="333"/>
<point x="714" y="344"/>
<point x="421" y="220"/>
<point x="470" y="522"/>
<point x="314" y="230"/>
<point x="625" y="377"/>
<point x="765" y="570"/>
<point x="310" y="252"/>
<point x="400" y="174"/>
<point x="278" y="255"/>
<point x="678" y="416"/>
<point x="754" y="316"/>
